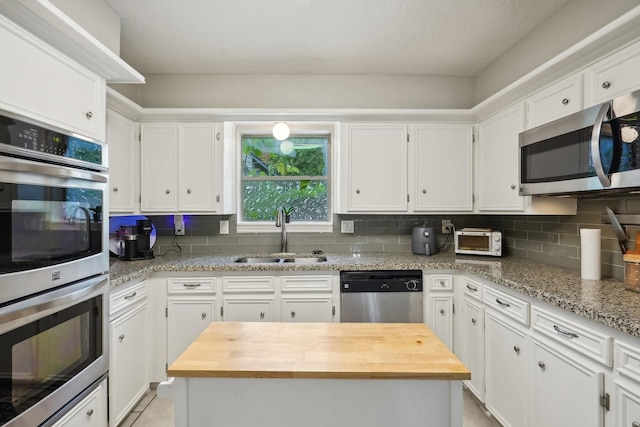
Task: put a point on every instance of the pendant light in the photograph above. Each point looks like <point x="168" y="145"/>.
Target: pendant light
<point x="281" y="131"/>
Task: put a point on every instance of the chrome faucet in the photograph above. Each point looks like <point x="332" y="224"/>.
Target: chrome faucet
<point x="281" y="221"/>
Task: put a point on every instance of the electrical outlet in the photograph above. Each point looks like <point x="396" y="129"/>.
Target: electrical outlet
<point x="224" y="226"/>
<point x="178" y="225"/>
<point x="346" y="227"/>
<point x="447" y="226"/>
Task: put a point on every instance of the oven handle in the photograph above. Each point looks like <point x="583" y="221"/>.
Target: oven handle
<point x="40" y="306"/>
<point x="595" y="144"/>
<point x="20" y="165"/>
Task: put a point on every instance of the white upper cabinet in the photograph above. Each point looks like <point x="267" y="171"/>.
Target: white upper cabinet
<point x="497" y="149"/>
<point x="42" y="84"/>
<point x="375" y="156"/>
<point x="181" y="168"/>
<point x="613" y="76"/>
<point x="123" y="163"/>
<point x="443" y="167"/>
<point x="554" y="102"/>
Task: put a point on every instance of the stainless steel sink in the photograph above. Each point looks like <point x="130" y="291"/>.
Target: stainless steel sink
<point x="306" y="260"/>
<point x="271" y="260"/>
<point x="257" y="260"/>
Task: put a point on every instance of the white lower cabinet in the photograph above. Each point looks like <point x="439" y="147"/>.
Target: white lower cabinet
<point x="627" y="403"/>
<point x="473" y="318"/>
<point x="307" y="308"/>
<point x="438" y="306"/>
<point x="129" y="350"/>
<point x="248" y="308"/>
<point x="90" y="412"/>
<point x="565" y="388"/>
<point x="507" y="354"/>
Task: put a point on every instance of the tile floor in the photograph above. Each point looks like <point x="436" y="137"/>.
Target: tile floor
<point x="155" y="412"/>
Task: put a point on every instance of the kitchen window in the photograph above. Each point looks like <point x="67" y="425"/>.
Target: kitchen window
<point x="293" y="174"/>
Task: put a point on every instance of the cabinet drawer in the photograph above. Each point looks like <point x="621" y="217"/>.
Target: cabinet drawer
<point x="592" y="344"/>
<point x="473" y="289"/>
<point x="193" y="285"/>
<point x="627" y="360"/>
<point x="307" y="283"/>
<point x="90" y="412"/>
<point x="121" y="300"/>
<point x="441" y="282"/>
<point x="503" y="303"/>
<point x="554" y="102"/>
<point x="251" y="284"/>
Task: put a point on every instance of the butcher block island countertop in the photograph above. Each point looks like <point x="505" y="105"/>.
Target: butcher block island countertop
<point x="319" y="350"/>
<point x="316" y="374"/>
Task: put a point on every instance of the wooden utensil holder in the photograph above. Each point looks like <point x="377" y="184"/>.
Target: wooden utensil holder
<point x="632" y="272"/>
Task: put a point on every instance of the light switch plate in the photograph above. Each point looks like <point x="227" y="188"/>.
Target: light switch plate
<point x="178" y="225"/>
<point x="346" y="227"/>
<point x="224" y="226"/>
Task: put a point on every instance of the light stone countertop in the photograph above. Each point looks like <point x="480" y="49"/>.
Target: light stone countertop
<point x="605" y="301"/>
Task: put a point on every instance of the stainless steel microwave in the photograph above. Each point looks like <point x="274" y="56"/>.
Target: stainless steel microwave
<point x="478" y="241"/>
<point x="596" y="149"/>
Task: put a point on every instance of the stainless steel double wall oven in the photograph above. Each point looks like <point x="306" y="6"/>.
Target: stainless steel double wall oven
<point x="53" y="271"/>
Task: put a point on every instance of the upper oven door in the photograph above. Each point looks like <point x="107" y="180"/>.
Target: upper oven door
<point x="51" y="226"/>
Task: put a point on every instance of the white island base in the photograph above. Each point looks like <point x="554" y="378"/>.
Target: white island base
<point x="291" y="402"/>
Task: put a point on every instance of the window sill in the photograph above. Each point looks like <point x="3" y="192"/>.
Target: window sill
<point x="269" y="227"/>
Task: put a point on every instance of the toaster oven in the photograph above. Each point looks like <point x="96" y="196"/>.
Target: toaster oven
<point x="478" y="241"/>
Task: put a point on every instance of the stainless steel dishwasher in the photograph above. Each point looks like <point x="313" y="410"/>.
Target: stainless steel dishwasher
<point x="384" y="296"/>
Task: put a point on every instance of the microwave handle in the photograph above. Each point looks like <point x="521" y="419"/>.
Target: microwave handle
<point x="603" y="113"/>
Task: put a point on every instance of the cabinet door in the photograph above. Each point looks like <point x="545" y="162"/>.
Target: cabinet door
<point x="497" y="149"/>
<point x="554" y="102"/>
<point x="198" y="167"/>
<point x="129" y="369"/>
<point x="473" y="317"/>
<point x="248" y="309"/>
<point x="627" y="400"/>
<point x="506" y="370"/>
<point x="443" y="168"/>
<point x="376" y="159"/>
<point x="614" y="76"/>
<point x="565" y="389"/>
<point x="90" y="412"/>
<point x="188" y="317"/>
<point x="307" y="308"/>
<point x="123" y="160"/>
<point x="159" y="179"/>
<point x="442" y="318"/>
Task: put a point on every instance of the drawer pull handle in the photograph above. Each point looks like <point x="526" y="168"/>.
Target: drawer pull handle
<point x="262" y="314"/>
<point x="564" y="332"/>
<point x="90" y="412"/>
<point x="121" y="337"/>
<point x="541" y="364"/>
<point x="516" y="349"/>
<point x="635" y="424"/>
<point x="471" y="288"/>
<point x="473" y="320"/>
<point x="293" y="314"/>
<point x="565" y="101"/>
<point x="606" y="85"/>
<point x="442" y="311"/>
<point x="204" y="315"/>
<point x="133" y="295"/>
<point x="502" y="303"/>
<point x="192" y="285"/>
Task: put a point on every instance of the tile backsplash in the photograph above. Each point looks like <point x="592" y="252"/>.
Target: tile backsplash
<point x="551" y="239"/>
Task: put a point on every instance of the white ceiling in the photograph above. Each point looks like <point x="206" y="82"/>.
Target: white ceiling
<point x="406" y="37"/>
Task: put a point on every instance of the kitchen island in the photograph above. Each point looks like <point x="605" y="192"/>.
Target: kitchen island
<point x="316" y="374"/>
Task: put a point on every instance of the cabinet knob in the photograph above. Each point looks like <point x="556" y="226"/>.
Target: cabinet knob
<point x="167" y="191"/>
<point x="635" y="424"/>
<point x="541" y="364"/>
<point x="565" y="101"/>
<point x="293" y="314"/>
<point x="262" y="314"/>
<point x="90" y="412"/>
<point x="357" y="191"/>
<point x="115" y="189"/>
<point x="473" y="320"/>
<point x="204" y="315"/>
<point x="442" y="311"/>
<point x="442" y="283"/>
<point x="513" y="186"/>
<point x="606" y="85"/>
<point x="424" y="191"/>
<point x="516" y="349"/>
<point x="121" y="337"/>
<point x="188" y="191"/>
<point x="89" y="114"/>
<point x="217" y="198"/>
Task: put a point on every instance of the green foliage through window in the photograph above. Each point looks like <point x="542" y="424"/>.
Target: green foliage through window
<point x="291" y="174"/>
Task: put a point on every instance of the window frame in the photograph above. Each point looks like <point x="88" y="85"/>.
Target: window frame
<point x="297" y="129"/>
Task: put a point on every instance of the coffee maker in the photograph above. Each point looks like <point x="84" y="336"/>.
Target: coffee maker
<point x="137" y="240"/>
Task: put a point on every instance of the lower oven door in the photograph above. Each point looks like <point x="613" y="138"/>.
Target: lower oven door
<point x="52" y="347"/>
